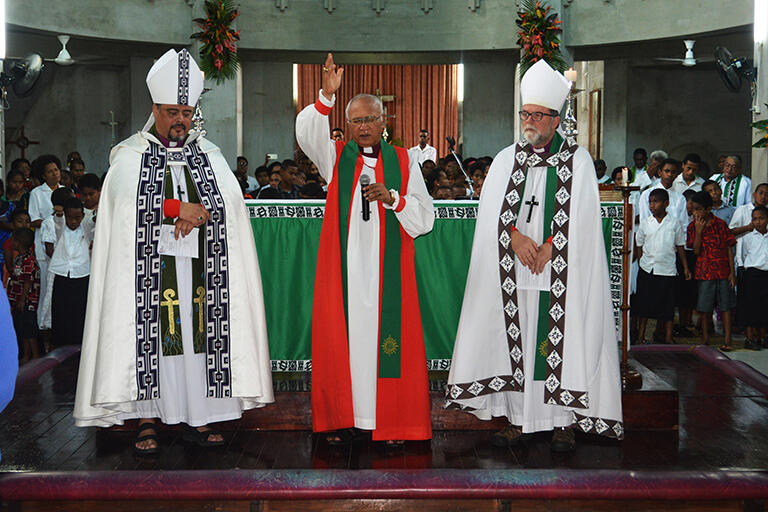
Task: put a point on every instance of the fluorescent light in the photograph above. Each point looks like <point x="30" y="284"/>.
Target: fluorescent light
<point x="2" y="29"/>
<point x="761" y="21"/>
<point x="295" y="84"/>
<point x="460" y="83"/>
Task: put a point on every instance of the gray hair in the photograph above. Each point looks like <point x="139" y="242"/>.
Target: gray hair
<point x="367" y="97"/>
<point x="737" y="158"/>
<point x="659" y="155"/>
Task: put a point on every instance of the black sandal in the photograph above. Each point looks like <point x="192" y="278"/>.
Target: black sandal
<point x="192" y="435"/>
<point x="146" y="437"/>
<point x="344" y="436"/>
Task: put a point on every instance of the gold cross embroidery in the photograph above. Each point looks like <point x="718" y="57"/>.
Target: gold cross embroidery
<point x="200" y="300"/>
<point x="169" y="294"/>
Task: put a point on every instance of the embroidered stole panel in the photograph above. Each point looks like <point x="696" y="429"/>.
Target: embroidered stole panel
<point x="555" y="394"/>
<point x="149" y="218"/>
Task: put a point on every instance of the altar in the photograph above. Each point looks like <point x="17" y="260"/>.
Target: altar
<point x="287" y="234"/>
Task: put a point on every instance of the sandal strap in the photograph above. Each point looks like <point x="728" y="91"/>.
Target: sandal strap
<point x="145" y="425"/>
<point x="146" y="437"/>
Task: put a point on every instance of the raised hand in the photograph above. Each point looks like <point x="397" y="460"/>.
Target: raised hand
<point x="331" y="77"/>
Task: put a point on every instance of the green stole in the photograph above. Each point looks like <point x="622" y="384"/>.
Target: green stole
<point x="170" y="320"/>
<point x="390" y="299"/>
<point x="542" y="326"/>
<point x="731" y="191"/>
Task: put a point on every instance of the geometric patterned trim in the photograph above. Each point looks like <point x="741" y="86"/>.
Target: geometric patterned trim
<point x="455" y="212"/>
<point x="282" y="211"/>
<point x="183" y="92"/>
<point x="149" y="217"/>
<point x="554" y="393"/>
<point x="176" y="156"/>
<point x="305" y="365"/>
<point x="615" y="264"/>
<point x="601" y="426"/>
<point x="291" y="365"/>
<point x="219" y="381"/>
<point x="508" y="213"/>
<point x="286" y="212"/>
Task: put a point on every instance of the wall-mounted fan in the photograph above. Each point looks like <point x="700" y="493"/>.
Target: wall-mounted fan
<point x="23" y="74"/>
<point x="733" y="71"/>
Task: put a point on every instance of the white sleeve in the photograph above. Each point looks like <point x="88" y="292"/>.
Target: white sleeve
<point x="737" y="221"/>
<point x="432" y="155"/>
<point x="640" y="236"/>
<point x="48" y="231"/>
<point x="643" y="206"/>
<point x="680" y="234"/>
<point x="34" y="206"/>
<point x="314" y="136"/>
<point x="682" y="208"/>
<point x="417" y="215"/>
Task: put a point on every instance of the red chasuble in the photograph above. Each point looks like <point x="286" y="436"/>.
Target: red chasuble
<point x="402" y="392"/>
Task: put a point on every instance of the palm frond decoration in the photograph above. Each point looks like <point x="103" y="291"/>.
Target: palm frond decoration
<point x="538" y="36"/>
<point x="218" y="49"/>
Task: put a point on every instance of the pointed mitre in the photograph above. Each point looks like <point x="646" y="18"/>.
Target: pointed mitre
<point x="541" y="85"/>
<point x="175" y="79"/>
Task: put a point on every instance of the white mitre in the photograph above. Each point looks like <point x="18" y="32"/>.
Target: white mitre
<point x="541" y="85"/>
<point x="174" y="79"/>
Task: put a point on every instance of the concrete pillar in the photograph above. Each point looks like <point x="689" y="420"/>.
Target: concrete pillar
<point x="615" y="113"/>
<point x="489" y="107"/>
<point x="760" y="155"/>
<point x="219" y="104"/>
<point x="140" y="100"/>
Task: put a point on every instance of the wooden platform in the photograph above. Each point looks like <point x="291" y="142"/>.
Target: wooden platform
<point x="715" y="460"/>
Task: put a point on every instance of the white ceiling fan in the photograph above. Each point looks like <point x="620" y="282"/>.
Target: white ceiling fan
<point x="688" y="60"/>
<point x="64" y="58"/>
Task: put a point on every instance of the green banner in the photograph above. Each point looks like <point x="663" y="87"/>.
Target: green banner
<point x="287" y="235"/>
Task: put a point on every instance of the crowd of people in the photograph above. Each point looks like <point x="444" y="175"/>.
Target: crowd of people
<point x="700" y="245"/>
<point x="446" y="178"/>
<point x="47" y="220"/>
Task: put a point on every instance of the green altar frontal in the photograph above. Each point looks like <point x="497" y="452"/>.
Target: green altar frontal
<point x="287" y="235"/>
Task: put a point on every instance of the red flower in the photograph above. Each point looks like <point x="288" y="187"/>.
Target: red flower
<point x="219" y="48"/>
<point x="540" y="52"/>
<point x="218" y="63"/>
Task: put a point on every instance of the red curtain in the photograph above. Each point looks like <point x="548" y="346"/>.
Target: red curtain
<point x="425" y="97"/>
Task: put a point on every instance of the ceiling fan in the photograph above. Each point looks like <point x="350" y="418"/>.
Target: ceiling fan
<point x="688" y="60"/>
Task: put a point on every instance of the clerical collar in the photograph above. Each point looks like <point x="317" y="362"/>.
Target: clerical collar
<point x="544" y="149"/>
<point x="166" y="142"/>
<point x="371" y="152"/>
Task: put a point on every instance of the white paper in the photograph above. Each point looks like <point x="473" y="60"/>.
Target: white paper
<point x="184" y="246"/>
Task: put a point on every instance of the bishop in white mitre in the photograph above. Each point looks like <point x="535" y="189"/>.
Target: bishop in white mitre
<point x="536" y="341"/>
<point x="175" y="326"/>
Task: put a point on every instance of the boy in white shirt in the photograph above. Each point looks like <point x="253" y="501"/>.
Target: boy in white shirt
<point x="71" y="266"/>
<point x="754" y="286"/>
<point x="50" y="229"/>
<point x="659" y="237"/>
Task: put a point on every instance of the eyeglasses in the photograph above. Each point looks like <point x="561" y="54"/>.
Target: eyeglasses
<point x="536" y="116"/>
<point x="365" y="120"/>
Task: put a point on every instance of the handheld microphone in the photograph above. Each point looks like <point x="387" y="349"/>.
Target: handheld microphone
<point x="365" y="180"/>
<point x="451" y="142"/>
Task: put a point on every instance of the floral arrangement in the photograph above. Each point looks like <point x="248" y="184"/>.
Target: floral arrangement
<point x="761" y="126"/>
<point x="218" y="51"/>
<point x="539" y="36"/>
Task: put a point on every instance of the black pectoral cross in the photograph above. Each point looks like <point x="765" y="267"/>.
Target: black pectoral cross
<point x="181" y="192"/>
<point x="531" y="204"/>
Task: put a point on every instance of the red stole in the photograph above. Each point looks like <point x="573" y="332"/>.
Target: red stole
<point x="402" y="404"/>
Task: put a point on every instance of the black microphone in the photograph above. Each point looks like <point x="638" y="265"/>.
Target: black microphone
<point x="451" y="142"/>
<point x="365" y="180"/>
